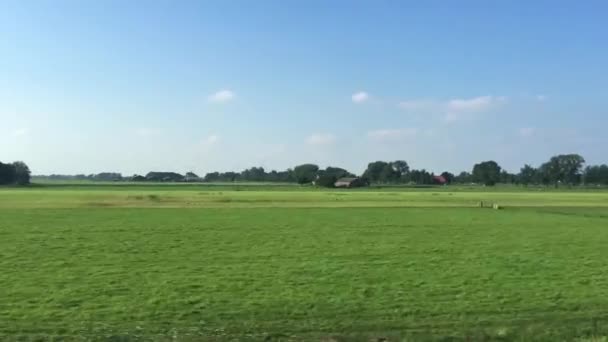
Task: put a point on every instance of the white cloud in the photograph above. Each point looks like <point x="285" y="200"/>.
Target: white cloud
<point x="541" y="98"/>
<point x="460" y="109"/>
<point x="20" y="132"/>
<point x="454" y="109"/>
<point x="360" y="97"/>
<point x="222" y="96"/>
<point x="321" y="139"/>
<point x="527" y="131"/>
<point x="476" y="104"/>
<point x="392" y="134"/>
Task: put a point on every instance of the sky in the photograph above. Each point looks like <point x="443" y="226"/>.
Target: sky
<point x="138" y="86"/>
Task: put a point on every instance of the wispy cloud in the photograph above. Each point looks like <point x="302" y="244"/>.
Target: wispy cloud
<point x="527" y="131"/>
<point x="454" y="109"/>
<point x="476" y="104"/>
<point x="463" y="109"/>
<point x="360" y="97"/>
<point x="541" y="98"/>
<point x="321" y="139"/>
<point x="392" y="134"/>
<point x="20" y="132"/>
<point x="222" y="96"/>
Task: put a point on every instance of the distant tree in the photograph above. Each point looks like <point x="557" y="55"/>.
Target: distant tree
<point x="254" y="174"/>
<point x="563" y="168"/>
<point x="229" y="176"/>
<point x="449" y="177"/>
<point x="328" y="177"/>
<point x="22" y="173"/>
<point x="596" y="174"/>
<point x="107" y="176"/>
<point x="507" y="178"/>
<point x="212" y="177"/>
<point x="487" y="172"/>
<point x="8" y="174"/>
<point x="402" y="169"/>
<point x="286" y="176"/>
<point x="164" y="177"/>
<point x="389" y="174"/>
<point x="421" y="177"/>
<point x="191" y="177"/>
<point x="138" y="178"/>
<point x="463" y="178"/>
<point x="528" y="175"/>
<point x="326" y="180"/>
<point x="374" y="171"/>
<point x="272" y="176"/>
<point x="383" y="172"/>
<point x="337" y="172"/>
<point x="305" y="173"/>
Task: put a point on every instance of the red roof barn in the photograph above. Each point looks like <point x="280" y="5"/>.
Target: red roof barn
<point x="440" y="180"/>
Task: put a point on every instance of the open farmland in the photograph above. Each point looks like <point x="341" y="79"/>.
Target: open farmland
<point x="191" y="262"/>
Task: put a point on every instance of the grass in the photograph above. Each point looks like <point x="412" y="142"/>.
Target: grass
<point x="252" y="196"/>
<point x="196" y="264"/>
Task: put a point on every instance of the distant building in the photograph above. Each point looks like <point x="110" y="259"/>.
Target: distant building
<point x="440" y="180"/>
<point x="349" y="182"/>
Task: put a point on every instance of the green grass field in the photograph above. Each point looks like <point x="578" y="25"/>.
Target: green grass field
<point x="191" y="262"/>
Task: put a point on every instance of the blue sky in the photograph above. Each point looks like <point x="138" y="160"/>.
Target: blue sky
<point x="134" y="86"/>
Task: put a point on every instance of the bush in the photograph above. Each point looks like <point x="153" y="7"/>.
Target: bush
<point x="326" y="181"/>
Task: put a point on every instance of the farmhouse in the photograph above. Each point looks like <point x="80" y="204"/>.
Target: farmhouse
<point x="440" y="180"/>
<point x="349" y="182"/>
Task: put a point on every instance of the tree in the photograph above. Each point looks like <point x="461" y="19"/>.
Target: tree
<point x="212" y="177"/>
<point x="463" y="178"/>
<point x="507" y="178"/>
<point x="487" y="172"/>
<point x="8" y="174"/>
<point x="164" y="177"/>
<point x="305" y="173"/>
<point x="449" y="177"/>
<point x="374" y="171"/>
<point x="421" y="177"/>
<point x="596" y="174"/>
<point x="254" y="174"/>
<point x="22" y="173"/>
<point x="326" y="180"/>
<point x="286" y="176"/>
<point x="138" y="178"/>
<point x="328" y="177"/>
<point x="229" y="176"/>
<point x="337" y="172"/>
<point x="527" y="175"/>
<point x="402" y="168"/>
<point x="389" y="174"/>
<point x="107" y="176"/>
<point x="563" y="168"/>
<point x="192" y="177"/>
<point x="383" y="172"/>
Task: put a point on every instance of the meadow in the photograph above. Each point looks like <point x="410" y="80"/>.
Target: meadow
<point x="224" y="262"/>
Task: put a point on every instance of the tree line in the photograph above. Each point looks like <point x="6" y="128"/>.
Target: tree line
<point x="564" y="169"/>
<point x="16" y="173"/>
